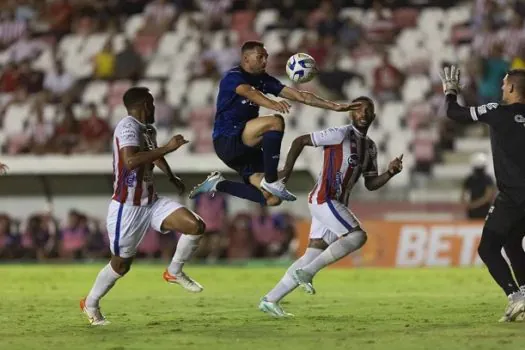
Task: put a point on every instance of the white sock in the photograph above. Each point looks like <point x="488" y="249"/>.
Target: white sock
<point x="287" y="284"/>
<point x="105" y="281"/>
<point x="337" y="250"/>
<point x="186" y="246"/>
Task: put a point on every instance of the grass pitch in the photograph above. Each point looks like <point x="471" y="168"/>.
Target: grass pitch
<point x="354" y="309"/>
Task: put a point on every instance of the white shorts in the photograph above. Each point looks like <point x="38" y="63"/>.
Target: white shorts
<point x="127" y="224"/>
<point x="331" y="220"/>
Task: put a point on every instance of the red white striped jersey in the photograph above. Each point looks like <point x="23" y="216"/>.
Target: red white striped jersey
<point x="347" y="154"/>
<point x="133" y="187"/>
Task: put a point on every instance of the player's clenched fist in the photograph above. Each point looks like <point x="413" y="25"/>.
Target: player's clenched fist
<point x="395" y="166"/>
<point x="176" y="141"/>
<point x="281" y="106"/>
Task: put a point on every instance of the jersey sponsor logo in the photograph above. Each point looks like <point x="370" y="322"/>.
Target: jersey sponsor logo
<point x="485" y="108"/>
<point x="250" y="103"/>
<point x="518" y="118"/>
<point x="131" y="179"/>
<point x="353" y="160"/>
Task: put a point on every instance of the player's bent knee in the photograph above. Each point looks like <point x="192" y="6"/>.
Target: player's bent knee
<point x="273" y="201"/>
<point x="121" y="265"/>
<point x="200" y="227"/>
<point x="277" y="123"/>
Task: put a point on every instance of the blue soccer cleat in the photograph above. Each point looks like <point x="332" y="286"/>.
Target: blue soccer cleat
<point x="207" y="186"/>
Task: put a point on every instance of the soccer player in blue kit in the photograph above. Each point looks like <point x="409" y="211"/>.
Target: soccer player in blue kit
<point x="248" y="143"/>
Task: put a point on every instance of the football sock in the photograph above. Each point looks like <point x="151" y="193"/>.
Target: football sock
<point x="516" y="254"/>
<point x="271" y="145"/>
<point x="242" y="190"/>
<point x="186" y="246"/>
<point x="337" y="250"/>
<point x="287" y="284"/>
<point x="103" y="283"/>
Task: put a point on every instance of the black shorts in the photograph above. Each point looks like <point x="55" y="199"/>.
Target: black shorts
<point x="505" y="217"/>
<point x="245" y="160"/>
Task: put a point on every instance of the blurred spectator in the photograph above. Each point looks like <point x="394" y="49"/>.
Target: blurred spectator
<point x="513" y="37"/>
<point x="486" y="39"/>
<point x="96" y="246"/>
<point x="131" y="7"/>
<point x="104" y="62"/>
<point x="60" y="14"/>
<point x="11" y="29"/>
<point x="59" y="83"/>
<point x="95" y="133"/>
<point x="159" y="17"/>
<point x="493" y="72"/>
<point x="165" y="116"/>
<point x="379" y="27"/>
<point x="215" y="13"/>
<point x="222" y="60"/>
<point x="423" y="148"/>
<point x="128" y="63"/>
<point x="269" y="239"/>
<point x="349" y="33"/>
<point x="334" y="79"/>
<point x="9" y="79"/>
<point x="39" y="238"/>
<point x="67" y="133"/>
<point x="478" y="189"/>
<point x="25" y="10"/>
<point x="519" y="60"/>
<point x="214" y="211"/>
<point x="330" y="25"/>
<point x="241" y="245"/>
<point x="39" y="132"/>
<point x="387" y="80"/>
<point x="25" y="48"/>
<point x="74" y="235"/>
<point x="9" y="239"/>
<point x="30" y="79"/>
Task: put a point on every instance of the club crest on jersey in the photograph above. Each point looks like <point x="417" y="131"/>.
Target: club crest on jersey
<point x="353" y="160"/>
<point x="131" y="179"/>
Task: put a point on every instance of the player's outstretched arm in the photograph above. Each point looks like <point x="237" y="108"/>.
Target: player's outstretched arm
<point x="260" y="99"/>
<point x="133" y="158"/>
<point x="373" y="183"/>
<point x="295" y="151"/>
<point x="311" y="99"/>
<point x="450" y="78"/>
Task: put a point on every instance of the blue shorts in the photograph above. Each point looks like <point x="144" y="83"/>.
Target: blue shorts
<point x="245" y="160"/>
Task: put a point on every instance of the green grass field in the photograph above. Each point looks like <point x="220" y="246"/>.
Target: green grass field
<point x="354" y="309"/>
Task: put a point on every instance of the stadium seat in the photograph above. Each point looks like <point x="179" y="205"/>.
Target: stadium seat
<point x="346" y="63"/>
<point x="158" y="67"/>
<point x="199" y="92"/>
<point x="273" y="40"/>
<point x="169" y="44"/>
<point x="153" y="85"/>
<point x="264" y="19"/>
<point x="352" y="12"/>
<point x="391" y="116"/>
<point x="15" y="116"/>
<point x="117" y="114"/>
<point x="119" y="41"/>
<point x="93" y="45"/>
<point x="95" y="92"/>
<point x="133" y="25"/>
<point x="415" y="88"/>
<point x="295" y="39"/>
<point x="116" y="91"/>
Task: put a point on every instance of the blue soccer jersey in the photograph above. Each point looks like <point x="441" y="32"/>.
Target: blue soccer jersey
<point x="234" y="110"/>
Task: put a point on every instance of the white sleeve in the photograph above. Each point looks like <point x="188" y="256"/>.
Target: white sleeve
<point x="327" y="137"/>
<point x="128" y="134"/>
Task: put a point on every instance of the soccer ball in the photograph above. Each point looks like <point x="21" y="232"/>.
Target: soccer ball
<point x="301" y="68"/>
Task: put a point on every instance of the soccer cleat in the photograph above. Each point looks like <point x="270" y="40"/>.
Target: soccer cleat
<point x="273" y="309"/>
<point x="515" y="308"/>
<point x="304" y="279"/>
<point x="207" y="186"/>
<point x="183" y="280"/>
<point x="278" y="189"/>
<point x="94" y="315"/>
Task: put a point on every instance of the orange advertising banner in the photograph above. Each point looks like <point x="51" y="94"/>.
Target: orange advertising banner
<point x="411" y="244"/>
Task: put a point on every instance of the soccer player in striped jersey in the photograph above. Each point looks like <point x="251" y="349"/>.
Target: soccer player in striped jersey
<point x="335" y="231"/>
<point x="135" y="205"/>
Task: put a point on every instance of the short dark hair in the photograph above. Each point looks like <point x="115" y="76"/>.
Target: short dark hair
<point x="365" y="99"/>
<point x="517" y="78"/>
<point x="135" y="95"/>
<point x="250" y="45"/>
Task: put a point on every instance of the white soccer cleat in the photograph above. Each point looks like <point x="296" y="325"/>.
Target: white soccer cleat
<point x="94" y="315"/>
<point x="278" y="189"/>
<point x="273" y="309"/>
<point x="515" y="310"/>
<point x="304" y="279"/>
<point x="184" y="281"/>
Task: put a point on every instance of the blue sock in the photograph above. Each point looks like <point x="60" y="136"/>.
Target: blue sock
<point x="242" y="190"/>
<point x="271" y="145"/>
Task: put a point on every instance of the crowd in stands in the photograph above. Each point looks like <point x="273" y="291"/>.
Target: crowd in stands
<point x="252" y="234"/>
